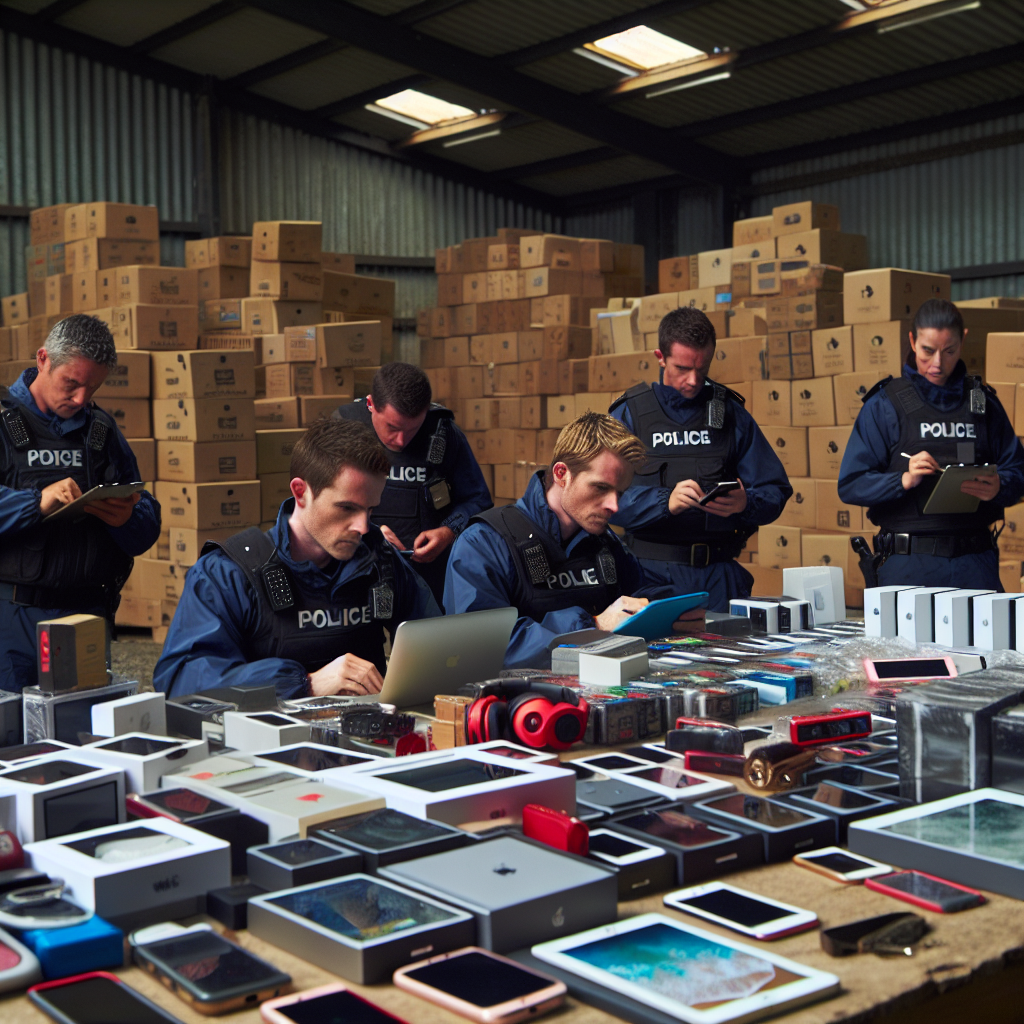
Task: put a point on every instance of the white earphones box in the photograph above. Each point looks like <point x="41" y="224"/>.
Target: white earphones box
<point x="954" y="617"/>
<point x="144" y="759"/>
<point x="143" y="712"/>
<point x="880" y="611"/>
<point x="821" y="586"/>
<point x="262" y="730"/>
<point x="915" y="613"/>
<point x="995" y="620"/>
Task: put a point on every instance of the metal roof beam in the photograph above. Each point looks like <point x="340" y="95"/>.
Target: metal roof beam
<point x="559" y="163"/>
<point x="57" y="9"/>
<point x="360" y="99"/>
<point x="425" y="9"/>
<point x="289" y="62"/>
<point x="483" y="75"/>
<point x="185" y="27"/>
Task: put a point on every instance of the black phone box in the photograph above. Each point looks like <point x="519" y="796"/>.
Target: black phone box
<point x="295" y="862"/>
<point x="644" y="879"/>
<point x="237" y="829"/>
<point x="1008" y="749"/>
<point x="613" y="796"/>
<point x="187" y="715"/>
<point x="11" y="728"/>
<point x="230" y="905"/>
<point x="808" y="798"/>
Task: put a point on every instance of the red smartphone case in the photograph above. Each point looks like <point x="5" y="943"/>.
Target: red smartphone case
<point x="961" y="903"/>
<point x="556" y="829"/>
<point x="836" y="726"/>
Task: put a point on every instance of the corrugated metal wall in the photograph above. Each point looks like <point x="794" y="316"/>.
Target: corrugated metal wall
<point x="614" y="221"/>
<point x="700" y="220"/>
<point x="72" y="130"/>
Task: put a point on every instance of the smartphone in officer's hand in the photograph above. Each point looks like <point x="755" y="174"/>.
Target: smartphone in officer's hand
<point x="720" y="489"/>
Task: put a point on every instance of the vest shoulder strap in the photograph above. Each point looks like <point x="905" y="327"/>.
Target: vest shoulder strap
<point x="255" y="554"/>
<point x="100" y="429"/>
<point x="876" y="387"/>
<point x="735" y="396"/>
<point x="16" y="424"/>
<point x="634" y="392"/>
<point x="903" y="395"/>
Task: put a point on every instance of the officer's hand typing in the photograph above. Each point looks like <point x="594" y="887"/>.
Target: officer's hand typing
<point x="729" y="504"/>
<point x="347" y="674"/>
<point x="685" y="494"/>
<point x="920" y="466"/>
<point x="984" y="487"/>
<point x="691" y="621"/>
<point x="55" y="496"/>
<point x="619" y="609"/>
<point x="392" y="538"/>
<point x="113" y="511"/>
<point x="431" y="543"/>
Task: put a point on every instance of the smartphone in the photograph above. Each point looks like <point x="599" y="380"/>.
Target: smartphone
<point x="96" y="998"/>
<point x="210" y="973"/>
<point x="326" y="1004"/>
<point x="742" y="911"/>
<point x="926" y="891"/>
<point x="890" y="670"/>
<point x="724" y="487"/>
<point x="840" y="865"/>
<point x="618" y="850"/>
<point x="482" y="986"/>
<point x="177" y="804"/>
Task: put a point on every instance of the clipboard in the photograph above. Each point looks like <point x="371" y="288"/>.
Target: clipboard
<point x="98" y="493"/>
<point x="655" y="619"/>
<point x="947" y="498"/>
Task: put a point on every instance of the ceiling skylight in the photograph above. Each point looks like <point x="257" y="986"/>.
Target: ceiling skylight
<point x="641" y="47"/>
<point x="418" y="106"/>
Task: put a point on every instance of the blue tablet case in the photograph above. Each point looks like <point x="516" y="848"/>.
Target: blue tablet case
<point x="655" y="619"/>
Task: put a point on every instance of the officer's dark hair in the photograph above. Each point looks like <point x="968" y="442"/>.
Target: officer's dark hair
<point x="939" y="314"/>
<point x="404" y="387"/>
<point x="685" y="326"/>
<point x="331" y="445"/>
<point x="81" y="335"/>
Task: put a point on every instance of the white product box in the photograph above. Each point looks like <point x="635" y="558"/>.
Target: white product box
<point x="144" y="712"/>
<point x="26" y="753"/>
<point x="915" y="613"/>
<point x="502" y="748"/>
<point x="674" y="782"/>
<point x="880" y="610"/>
<point x="598" y="670"/>
<point x="995" y="620"/>
<point x="291" y="810"/>
<point x="311" y="760"/>
<point x="56" y="795"/>
<point x="954" y="617"/>
<point x="763" y="615"/>
<point x="262" y="730"/>
<point x="821" y="586"/>
<point x="463" y="785"/>
<point x="143" y="758"/>
<point x="128" y="870"/>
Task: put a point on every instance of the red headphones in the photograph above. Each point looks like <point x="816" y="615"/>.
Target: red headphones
<point x="533" y="713"/>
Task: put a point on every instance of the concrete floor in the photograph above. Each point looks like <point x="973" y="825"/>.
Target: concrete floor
<point x="134" y="655"/>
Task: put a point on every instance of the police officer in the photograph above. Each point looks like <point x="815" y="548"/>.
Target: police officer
<point x="435" y="485"/>
<point x="933" y="415"/>
<point x="697" y="434"/>
<point x="54" y="446"/>
<point x="551" y="555"/>
<point x="305" y="605"/>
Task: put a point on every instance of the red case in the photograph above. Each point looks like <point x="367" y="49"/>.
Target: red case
<point x="556" y="829"/>
<point x="717" y="764"/>
<point x="816" y="730"/>
<point x="878" y="885"/>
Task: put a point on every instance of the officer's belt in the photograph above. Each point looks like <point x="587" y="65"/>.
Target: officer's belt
<point x="698" y="556"/>
<point x="52" y="597"/>
<point x="941" y="545"/>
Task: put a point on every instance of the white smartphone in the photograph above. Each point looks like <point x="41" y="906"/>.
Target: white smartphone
<point x="619" y="850"/>
<point x="742" y="911"/>
<point x="840" y="865"/>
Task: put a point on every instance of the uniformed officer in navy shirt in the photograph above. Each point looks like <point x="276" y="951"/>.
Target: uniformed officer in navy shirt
<point x="697" y="434"/>
<point x="56" y="445"/>
<point x="435" y="485"/>
<point x="305" y="605"/>
<point x="933" y="415"/>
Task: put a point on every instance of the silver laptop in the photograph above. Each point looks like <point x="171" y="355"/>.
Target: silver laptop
<point x="432" y="656"/>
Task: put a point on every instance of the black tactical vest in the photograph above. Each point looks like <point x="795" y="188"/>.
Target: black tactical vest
<point x="703" y="449"/>
<point x="313" y="630"/>
<point x="417" y="496"/>
<point x="546" y="579"/>
<point x="79" y="558"/>
<point x="951" y="438"/>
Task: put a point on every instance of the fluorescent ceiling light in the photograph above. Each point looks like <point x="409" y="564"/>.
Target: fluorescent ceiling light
<point x="425" y="110"/>
<point x="643" y="48"/>
<point x="463" y="139"/>
<point x="687" y="84"/>
<point x="917" y="19"/>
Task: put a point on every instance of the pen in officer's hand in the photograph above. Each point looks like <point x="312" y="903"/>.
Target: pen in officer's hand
<point x="906" y="456"/>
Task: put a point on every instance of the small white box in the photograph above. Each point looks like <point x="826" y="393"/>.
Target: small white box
<point x="144" y="712"/>
<point x="915" y="613"/>
<point x="954" y="617"/>
<point x="128" y="870"/>
<point x="463" y="785"/>
<point x="26" y="753"/>
<point x="56" y="795"/>
<point x="502" y="748"/>
<point x="290" y="810"/>
<point x="311" y="760"/>
<point x="821" y="586"/>
<point x="262" y="730"/>
<point x="599" y="670"/>
<point x="203" y="771"/>
<point x="144" y="759"/>
<point x="763" y="615"/>
<point x="880" y="610"/>
<point x="995" y="620"/>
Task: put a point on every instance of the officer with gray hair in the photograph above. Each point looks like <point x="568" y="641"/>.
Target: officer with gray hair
<point x="56" y="445"/>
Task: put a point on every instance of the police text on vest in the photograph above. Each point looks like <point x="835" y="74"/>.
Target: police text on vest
<point x="683" y="437"/>
<point x="573" y="578"/>
<point x="408" y="474"/>
<point x="326" y="618"/>
<point x="947" y="430"/>
<point x="55" y="457"/>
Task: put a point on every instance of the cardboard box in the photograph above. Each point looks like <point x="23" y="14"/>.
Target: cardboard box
<point x="815" y="311"/>
<point x="203" y="374"/>
<point x="566" y="341"/>
<point x="790" y="445"/>
<point x="543" y="281"/>
<point x="90" y="254"/>
<point x="557" y="251"/>
<point x="286" y="379"/>
<point x="157" y="579"/>
<point x="234" y="341"/>
<point x="617" y="332"/>
<point x="10" y="372"/>
<point x="1006" y="392"/>
<point x="275" y="490"/>
<point x="813" y="402"/>
<point x="209" y="506"/>
<point x="220" y="315"/>
<point x="72" y="653"/>
<point x="130" y="414"/>
<point x="771" y="406"/>
<point x="111" y="220"/>
<point x="790" y="367"/>
<point x="753" y="229"/>
<point x="802" y="508"/>
<point x="274" y="450"/>
<point x="228" y="251"/>
<point x="825" y="446"/>
<point x="1018" y="414"/>
<point x="144" y="450"/>
<point x="152" y="327"/>
<point x="276" y="413"/>
<point x="828" y="549"/>
<point x="268" y="316"/>
<point x="714" y="268"/>
<point x="293" y="281"/>
<point x="821" y="245"/>
<point x="1011" y="540"/>
<point x="618" y="373"/>
<point x="833" y="351"/>
<point x="354" y="293"/>
<point x="653" y="308"/>
<point x="850" y="390"/>
<point x="674" y="274"/>
<point x="15" y="309"/>
<point x="567" y="309"/>
<point x="129" y="379"/>
<point x="502" y="256"/>
<point x="834" y="514"/>
<point x="794" y="218"/>
<point x="873" y="296"/>
<point x="763" y="250"/>
<point x="46" y="224"/>
<point x="59" y="292"/>
<point x="1004" y="356"/>
<point x="340" y="344"/>
<point x="206" y="462"/>
<point x="561" y="410"/>
<point x="203" y="419"/>
<point x="292" y="241"/>
<point x="343" y="262"/>
<point x="739" y="359"/>
<point x="221" y="282"/>
<point x="739" y="284"/>
<point x="456" y="352"/>
<point x="597" y="254"/>
<point x="765" y="277"/>
<point x="186" y="545"/>
<point x="591" y="401"/>
<point x="881" y="346"/>
<point x="778" y="546"/>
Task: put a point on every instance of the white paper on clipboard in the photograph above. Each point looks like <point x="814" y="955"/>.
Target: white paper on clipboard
<point x="948" y="498"/>
<point x="98" y="493"/>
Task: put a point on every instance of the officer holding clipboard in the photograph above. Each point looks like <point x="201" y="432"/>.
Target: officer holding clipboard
<point x="910" y="428"/>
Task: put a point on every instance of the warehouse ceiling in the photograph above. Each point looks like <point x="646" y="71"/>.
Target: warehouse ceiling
<point x="538" y="111"/>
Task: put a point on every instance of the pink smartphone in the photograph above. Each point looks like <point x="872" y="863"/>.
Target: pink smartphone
<point x="482" y="986"/>
<point x="326" y="1003"/>
<point x="893" y="670"/>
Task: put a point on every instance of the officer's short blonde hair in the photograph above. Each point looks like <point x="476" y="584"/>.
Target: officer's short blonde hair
<point x="583" y="440"/>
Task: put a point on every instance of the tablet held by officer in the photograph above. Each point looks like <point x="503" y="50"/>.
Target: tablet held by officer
<point x="909" y="430"/>
<point x="56" y="446"/>
<point x="305" y="605"/>
<point x="551" y="555"/>
<point x="698" y="436"/>
<point x="435" y="485"/>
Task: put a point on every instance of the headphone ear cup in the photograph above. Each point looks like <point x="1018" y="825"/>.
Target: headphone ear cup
<point x="474" y="719"/>
<point x="529" y="716"/>
<point x="496" y="720"/>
